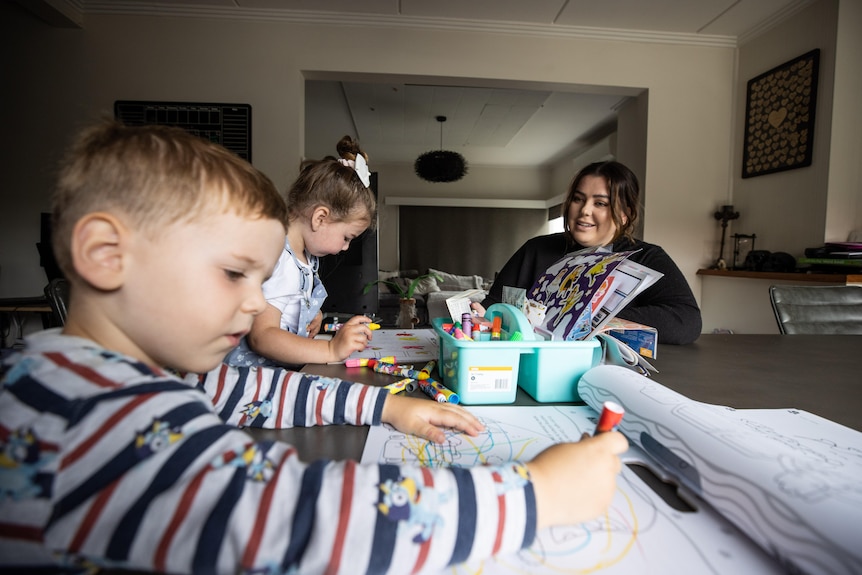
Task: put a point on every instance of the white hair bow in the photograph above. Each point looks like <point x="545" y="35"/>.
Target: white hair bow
<point x="360" y="166"/>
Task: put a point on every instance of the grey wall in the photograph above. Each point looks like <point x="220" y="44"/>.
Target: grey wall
<point x="465" y="241"/>
<point x="64" y="78"/>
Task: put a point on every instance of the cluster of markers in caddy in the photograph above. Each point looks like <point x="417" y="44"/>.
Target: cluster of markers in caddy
<point x="474" y="328"/>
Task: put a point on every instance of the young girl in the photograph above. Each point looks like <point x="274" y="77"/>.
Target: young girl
<point x="329" y="206"/>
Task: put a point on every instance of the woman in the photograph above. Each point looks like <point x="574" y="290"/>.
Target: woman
<point x="601" y="209"/>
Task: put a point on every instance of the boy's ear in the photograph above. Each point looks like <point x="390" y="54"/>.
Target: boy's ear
<point x="318" y="216"/>
<point x="99" y="241"/>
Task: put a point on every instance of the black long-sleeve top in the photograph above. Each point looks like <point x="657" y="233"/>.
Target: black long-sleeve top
<point x="668" y="305"/>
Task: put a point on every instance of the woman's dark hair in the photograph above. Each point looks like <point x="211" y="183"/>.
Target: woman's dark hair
<point x="624" y="194"/>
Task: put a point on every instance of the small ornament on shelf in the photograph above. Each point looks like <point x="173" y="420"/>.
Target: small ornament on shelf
<point x="724" y="215"/>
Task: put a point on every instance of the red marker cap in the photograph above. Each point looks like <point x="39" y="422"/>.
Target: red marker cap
<point x="612" y="414"/>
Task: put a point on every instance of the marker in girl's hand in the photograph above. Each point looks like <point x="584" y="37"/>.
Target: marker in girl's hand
<point x="338" y="326"/>
<point x="612" y="414"/>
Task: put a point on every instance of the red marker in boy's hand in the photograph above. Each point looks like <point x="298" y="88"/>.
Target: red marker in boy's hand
<point x="612" y="414"/>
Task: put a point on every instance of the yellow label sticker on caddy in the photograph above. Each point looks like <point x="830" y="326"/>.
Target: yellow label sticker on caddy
<point x="491" y="378"/>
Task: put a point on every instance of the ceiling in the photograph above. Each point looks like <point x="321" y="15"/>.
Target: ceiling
<point x="490" y="124"/>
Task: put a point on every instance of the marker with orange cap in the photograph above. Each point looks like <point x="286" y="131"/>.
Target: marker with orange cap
<point x="496" y="328"/>
<point x="612" y="414"/>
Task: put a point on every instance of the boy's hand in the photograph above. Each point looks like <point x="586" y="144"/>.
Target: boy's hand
<point x="575" y="482"/>
<point x="427" y="418"/>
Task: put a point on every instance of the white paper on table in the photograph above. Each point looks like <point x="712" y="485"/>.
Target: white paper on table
<point x="639" y="534"/>
<point x="789" y="479"/>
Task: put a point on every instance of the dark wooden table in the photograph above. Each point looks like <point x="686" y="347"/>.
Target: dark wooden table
<point x="817" y="373"/>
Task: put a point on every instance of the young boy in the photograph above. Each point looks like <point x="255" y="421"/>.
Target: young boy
<point x="109" y="459"/>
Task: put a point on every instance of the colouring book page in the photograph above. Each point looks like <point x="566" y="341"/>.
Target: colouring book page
<point x="568" y="288"/>
<point x="640" y="534"/>
<point x="416" y="346"/>
<point x="787" y="478"/>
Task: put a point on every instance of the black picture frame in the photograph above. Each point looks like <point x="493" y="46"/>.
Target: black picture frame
<point x="779" y="117"/>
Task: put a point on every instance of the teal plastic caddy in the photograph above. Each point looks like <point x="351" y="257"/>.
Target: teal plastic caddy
<point x="489" y="372"/>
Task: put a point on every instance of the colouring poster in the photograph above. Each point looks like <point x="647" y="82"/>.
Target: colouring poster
<point x="787" y="478"/>
<point x="639" y="534"/>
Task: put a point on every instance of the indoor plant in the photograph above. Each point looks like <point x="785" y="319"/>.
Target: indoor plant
<point x="407" y="311"/>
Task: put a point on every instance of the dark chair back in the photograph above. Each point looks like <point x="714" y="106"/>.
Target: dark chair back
<point x="57" y="292"/>
<point x="817" y="309"/>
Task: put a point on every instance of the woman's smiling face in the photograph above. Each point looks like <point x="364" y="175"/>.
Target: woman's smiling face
<point x="589" y="217"/>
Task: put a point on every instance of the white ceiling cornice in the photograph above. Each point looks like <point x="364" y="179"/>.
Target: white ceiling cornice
<point x="121" y="8"/>
<point x="74" y="12"/>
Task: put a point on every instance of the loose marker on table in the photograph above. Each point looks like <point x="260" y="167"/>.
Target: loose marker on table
<point x="406" y="384"/>
<point x="612" y="414"/>
<point x="368" y="362"/>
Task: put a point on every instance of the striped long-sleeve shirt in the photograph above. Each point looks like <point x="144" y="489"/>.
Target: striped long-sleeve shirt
<point x="106" y="461"/>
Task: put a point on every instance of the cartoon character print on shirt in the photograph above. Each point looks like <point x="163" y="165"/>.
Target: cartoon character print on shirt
<point x="322" y="382"/>
<point x="412" y="507"/>
<point x="251" y="457"/>
<point x="157" y="437"/>
<point x="22" y="459"/>
<point x="258" y="408"/>
<point x="511" y="478"/>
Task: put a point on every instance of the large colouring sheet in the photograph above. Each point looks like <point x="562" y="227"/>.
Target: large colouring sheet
<point x="790" y="480"/>
<point x="640" y="533"/>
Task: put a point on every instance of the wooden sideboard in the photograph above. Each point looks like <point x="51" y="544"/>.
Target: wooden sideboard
<point x="801" y="277"/>
<point x="738" y="300"/>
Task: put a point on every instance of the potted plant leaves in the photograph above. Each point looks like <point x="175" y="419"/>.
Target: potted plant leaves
<point x="407" y="317"/>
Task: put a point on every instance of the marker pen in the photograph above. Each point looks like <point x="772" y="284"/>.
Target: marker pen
<point x="338" y="326"/>
<point x="432" y="392"/>
<point x="450" y="395"/>
<point x="401" y="385"/>
<point x="368" y="362"/>
<point x="425" y="372"/>
<point x="388" y="368"/>
<point x="467" y="324"/>
<point x="496" y="328"/>
<point x="461" y="335"/>
<point x="612" y="414"/>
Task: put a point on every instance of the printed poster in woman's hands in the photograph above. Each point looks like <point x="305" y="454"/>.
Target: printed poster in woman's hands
<point x="571" y="289"/>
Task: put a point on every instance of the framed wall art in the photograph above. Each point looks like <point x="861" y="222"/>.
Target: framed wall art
<point x="779" y="117"/>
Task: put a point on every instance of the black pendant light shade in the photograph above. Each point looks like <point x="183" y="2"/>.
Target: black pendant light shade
<point x="441" y="165"/>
